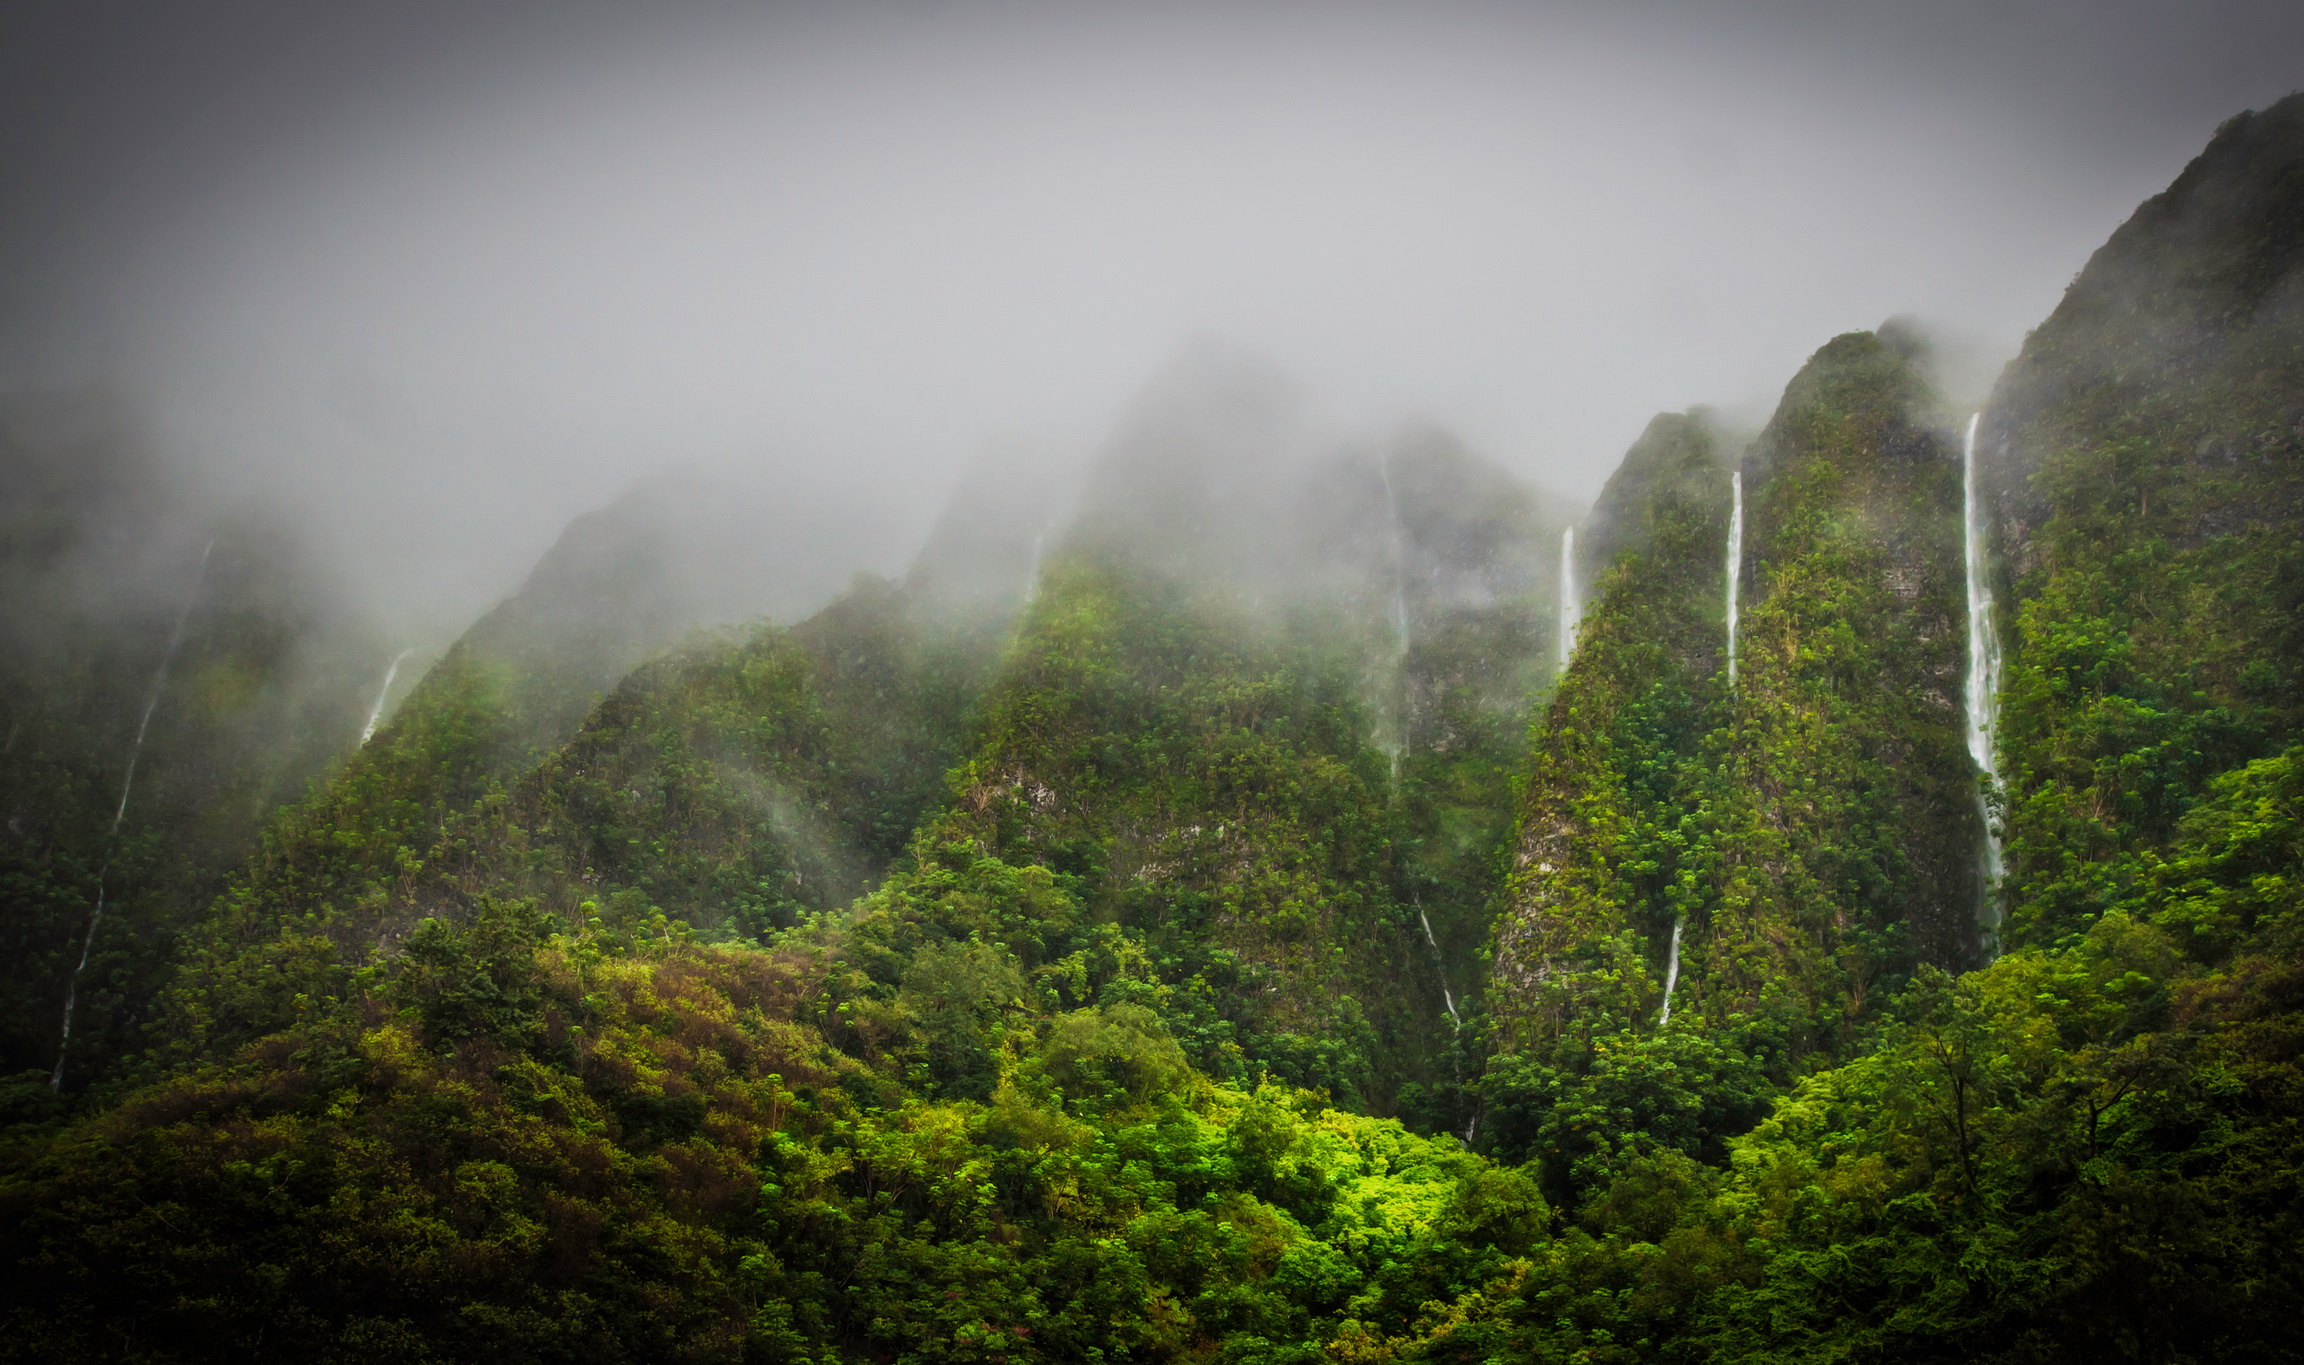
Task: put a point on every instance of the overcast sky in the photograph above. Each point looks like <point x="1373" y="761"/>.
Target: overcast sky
<point x="440" y="276"/>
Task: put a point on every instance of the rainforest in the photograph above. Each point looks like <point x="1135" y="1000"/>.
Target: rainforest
<point x="1244" y="896"/>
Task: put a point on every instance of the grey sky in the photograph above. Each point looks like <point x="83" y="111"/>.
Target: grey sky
<point x="441" y="276"/>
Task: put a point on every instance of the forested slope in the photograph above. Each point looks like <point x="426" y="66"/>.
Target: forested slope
<point x="914" y="983"/>
<point x="171" y="673"/>
<point x="2147" y="453"/>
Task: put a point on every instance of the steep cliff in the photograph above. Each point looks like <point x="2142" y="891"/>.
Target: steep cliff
<point x="2146" y="452"/>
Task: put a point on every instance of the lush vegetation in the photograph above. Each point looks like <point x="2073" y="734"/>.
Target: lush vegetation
<point x="2153" y="434"/>
<point x="916" y="984"/>
<point x="103" y="583"/>
<point x="1781" y="850"/>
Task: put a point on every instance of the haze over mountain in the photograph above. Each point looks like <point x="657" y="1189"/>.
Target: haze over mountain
<point x="434" y="279"/>
<point x="838" y="830"/>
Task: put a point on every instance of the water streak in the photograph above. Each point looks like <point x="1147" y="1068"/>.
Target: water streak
<point x="1569" y="615"/>
<point x="1735" y="562"/>
<point x="1032" y="575"/>
<point x="1982" y="692"/>
<point x="120" y="812"/>
<point x="376" y="713"/>
<point x="1671" y="973"/>
<point x="1447" y="997"/>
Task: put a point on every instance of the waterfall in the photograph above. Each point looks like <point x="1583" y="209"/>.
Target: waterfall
<point x="1447" y="997"/>
<point x="1982" y="692"/>
<point x="1671" y="973"/>
<point x="376" y="713"/>
<point x="1568" y="612"/>
<point x="1735" y="572"/>
<point x="1032" y="575"/>
<point x="120" y="812"/>
<point x="1734" y="575"/>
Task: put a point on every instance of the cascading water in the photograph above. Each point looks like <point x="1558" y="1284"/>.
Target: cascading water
<point x="1671" y="974"/>
<point x="120" y="812"/>
<point x="376" y="712"/>
<point x="1568" y="605"/>
<point x="1447" y="997"/>
<point x="1735" y="570"/>
<point x="1733" y="573"/>
<point x="1982" y="692"/>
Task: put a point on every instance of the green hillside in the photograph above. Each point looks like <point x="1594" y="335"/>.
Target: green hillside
<point x="171" y="675"/>
<point x="1203" y="923"/>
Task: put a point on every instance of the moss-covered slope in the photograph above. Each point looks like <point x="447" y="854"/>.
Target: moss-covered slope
<point x="1596" y="879"/>
<point x="1803" y="829"/>
<point x="1187" y="784"/>
<point x="1844" y="840"/>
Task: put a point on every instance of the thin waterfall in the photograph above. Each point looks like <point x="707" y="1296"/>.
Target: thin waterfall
<point x="1447" y="997"/>
<point x="1735" y="570"/>
<point x="376" y="712"/>
<point x="120" y="812"/>
<point x="1671" y="973"/>
<point x="1032" y="575"/>
<point x="1982" y="692"/>
<point x="1568" y="605"/>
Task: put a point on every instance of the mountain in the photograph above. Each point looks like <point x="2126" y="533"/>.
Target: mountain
<point x="1201" y="919"/>
<point x="1618" y="744"/>
<point x="1263" y="707"/>
<point x="729" y="786"/>
<point x="984" y="553"/>
<point x="630" y="580"/>
<point x="172" y="672"/>
<point x="1784" y="844"/>
<point x="2142" y="457"/>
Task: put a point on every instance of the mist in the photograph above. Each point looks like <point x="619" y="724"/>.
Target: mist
<point x="428" y="282"/>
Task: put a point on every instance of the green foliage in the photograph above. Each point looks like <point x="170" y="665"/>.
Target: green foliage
<point x="514" y="1143"/>
<point x="886" y="989"/>
<point x="729" y="789"/>
<point x="1610" y="1103"/>
<point x="1168" y="808"/>
<point x="1598" y="874"/>
<point x="1805" y="833"/>
<point x="131" y="767"/>
<point x="2152" y="446"/>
